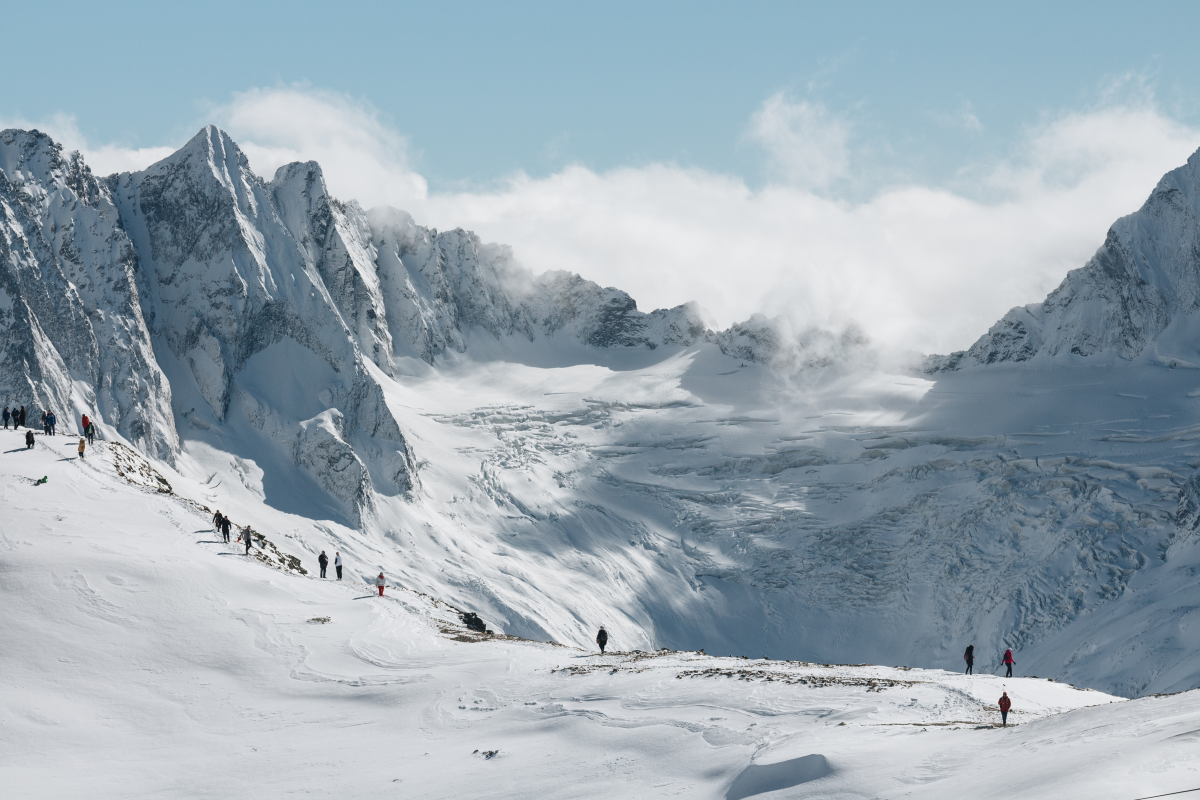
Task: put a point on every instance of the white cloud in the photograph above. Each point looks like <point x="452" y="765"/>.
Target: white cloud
<point x="918" y="267"/>
<point x="104" y="159"/>
<point x="362" y="157"/>
<point x="805" y="144"/>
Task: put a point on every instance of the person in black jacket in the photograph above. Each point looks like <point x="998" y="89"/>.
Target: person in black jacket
<point x="969" y="657"/>
<point x="225" y="526"/>
<point x="28" y="439"/>
<point x="602" y="639"/>
<point x="324" y="562"/>
<point x="24" y="423"/>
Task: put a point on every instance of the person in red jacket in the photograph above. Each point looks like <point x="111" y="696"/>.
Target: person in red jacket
<point x="1008" y="662"/>
<point x="380" y="582"/>
<point x="1005" y="705"/>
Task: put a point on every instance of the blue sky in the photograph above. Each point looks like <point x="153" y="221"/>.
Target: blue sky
<point x="482" y="89"/>
<point x="913" y="168"/>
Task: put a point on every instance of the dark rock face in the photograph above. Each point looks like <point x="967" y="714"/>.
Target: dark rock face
<point x="1143" y="278"/>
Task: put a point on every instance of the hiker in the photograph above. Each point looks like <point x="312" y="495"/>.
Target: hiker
<point x="45" y="425"/>
<point x="224" y="526"/>
<point x="86" y="424"/>
<point x="379" y="582"/>
<point x="1008" y="661"/>
<point x="602" y="639"/>
<point x="969" y="657"/>
<point x="6" y="416"/>
<point x="50" y="422"/>
<point x="91" y="432"/>
<point x="217" y="521"/>
<point x="247" y="534"/>
<point x="337" y="564"/>
<point x="24" y="424"/>
<point x="81" y="446"/>
<point x="1005" y="705"/>
<point x="324" y="562"/>
<point x="28" y="439"/>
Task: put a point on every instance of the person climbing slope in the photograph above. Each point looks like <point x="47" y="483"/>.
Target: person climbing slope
<point x="217" y="521"/>
<point x="379" y="582"/>
<point x="81" y="446"/>
<point x="969" y="657"/>
<point x="85" y="423"/>
<point x="1005" y="705"/>
<point x="247" y="536"/>
<point x="1008" y="661"/>
<point x="337" y="564"/>
<point x="602" y="639"/>
<point x="324" y="562"/>
<point x="91" y="432"/>
<point x="225" y="526"/>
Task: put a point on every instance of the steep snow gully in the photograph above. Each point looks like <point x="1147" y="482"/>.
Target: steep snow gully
<point x="538" y="450"/>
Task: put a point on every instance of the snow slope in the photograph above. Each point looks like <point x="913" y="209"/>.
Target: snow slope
<point x="539" y="450"/>
<point x="150" y="660"/>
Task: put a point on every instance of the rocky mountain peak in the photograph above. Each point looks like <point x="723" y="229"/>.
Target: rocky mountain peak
<point x="1136" y="293"/>
<point x="194" y="298"/>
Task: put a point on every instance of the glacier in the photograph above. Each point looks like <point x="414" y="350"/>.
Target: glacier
<point x="537" y="449"/>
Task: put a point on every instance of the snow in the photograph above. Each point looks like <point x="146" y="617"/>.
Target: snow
<point x="155" y="660"/>
<point x="538" y="450"/>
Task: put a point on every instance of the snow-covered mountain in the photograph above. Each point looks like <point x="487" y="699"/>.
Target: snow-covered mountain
<point x="1141" y="290"/>
<point x="538" y="449"/>
<point x="73" y="333"/>
<point x="216" y="267"/>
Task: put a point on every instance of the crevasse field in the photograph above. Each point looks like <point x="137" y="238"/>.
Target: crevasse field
<point x="747" y="511"/>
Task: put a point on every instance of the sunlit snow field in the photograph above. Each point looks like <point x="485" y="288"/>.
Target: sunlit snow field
<point x="685" y="501"/>
<point x="147" y="659"/>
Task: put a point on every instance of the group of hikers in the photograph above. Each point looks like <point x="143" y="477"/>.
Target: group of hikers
<point x="969" y="657"/>
<point x="223" y="525"/>
<point x="1008" y="661"/>
<point x="337" y="564"/>
<point x="17" y="417"/>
